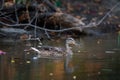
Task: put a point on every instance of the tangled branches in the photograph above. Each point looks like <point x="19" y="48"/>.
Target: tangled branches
<point x="42" y="15"/>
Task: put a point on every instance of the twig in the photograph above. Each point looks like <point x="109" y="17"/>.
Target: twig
<point x="61" y="30"/>
<point x="35" y="29"/>
<point x="38" y="27"/>
<point x="16" y="14"/>
<point x="46" y="30"/>
<point x="108" y="13"/>
<point x="48" y="3"/>
<point x="27" y="10"/>
<point x="2" y="4"/>
<point x="30" y="22"/>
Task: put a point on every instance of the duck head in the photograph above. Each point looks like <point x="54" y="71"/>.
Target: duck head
<point x="70" y="42"/>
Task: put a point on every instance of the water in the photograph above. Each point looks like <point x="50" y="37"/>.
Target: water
<point x="97" y="58"/>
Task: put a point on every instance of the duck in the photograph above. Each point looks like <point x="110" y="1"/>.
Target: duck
<point x="48" y="51"/>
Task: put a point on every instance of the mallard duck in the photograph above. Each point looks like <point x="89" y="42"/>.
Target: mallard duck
<point x="47" y="51"/>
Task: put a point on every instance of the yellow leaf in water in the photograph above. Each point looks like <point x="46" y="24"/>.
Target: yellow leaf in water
<point x="51" y="74"/>
<point x="12" y="61"/>
<point x="28" y="62"/>
<point x="74" y="77"/>
<point x="8" y="4"/>
<point x="99" y="41"/>
<point x="40" y="43"/>
<point x="116" y="17"/>
<point x="28" y="52"/>
<point x="99" y="72"/>
<point x="79" y="51"/>
<point x="100" y="13"/>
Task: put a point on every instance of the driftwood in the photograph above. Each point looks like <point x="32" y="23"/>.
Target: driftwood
<point x="12" y="32"/>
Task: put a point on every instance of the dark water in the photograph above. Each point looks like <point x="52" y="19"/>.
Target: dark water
<point x="97" y="58"/>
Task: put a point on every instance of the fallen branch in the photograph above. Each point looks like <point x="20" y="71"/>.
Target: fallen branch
<point x="45" y="29"/>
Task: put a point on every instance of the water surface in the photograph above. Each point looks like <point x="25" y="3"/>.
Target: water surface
<point x="97" y="58"/>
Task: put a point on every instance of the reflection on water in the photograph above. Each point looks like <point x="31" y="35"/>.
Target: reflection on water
<point x="97" y="58"/>
<point x="69" y="68"/>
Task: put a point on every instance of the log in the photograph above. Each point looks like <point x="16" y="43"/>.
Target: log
<point x="13" y="31"/>
<point x="66" y="21"/>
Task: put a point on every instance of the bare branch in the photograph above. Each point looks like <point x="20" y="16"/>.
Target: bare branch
<point x="16" y="14"/>
<point x="68" y="19"/>
<point x="2" y="4"/>
<point x="107" y="14"/>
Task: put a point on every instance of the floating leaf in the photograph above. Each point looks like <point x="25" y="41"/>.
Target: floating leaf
<point x="109" y="51"/>
<point x="79" y="51"/>
<point x="116" y="49"/>
<point x="100" y="13"/>
<point x="107" y="70"/>
<point x="99" y="72"/>
<point x="12" y="61"/>
<point x="51" y="74"/>
<point x="40" y="43"/>
<point x="28" y="52"/>
<point x="28" y="62"/>
<point x="35" y="58"/>
<point x="74" y="77"/>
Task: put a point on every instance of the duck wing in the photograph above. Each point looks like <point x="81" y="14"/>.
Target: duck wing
<point x="50" y="48"/>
